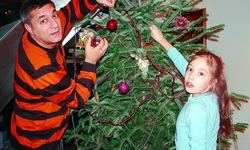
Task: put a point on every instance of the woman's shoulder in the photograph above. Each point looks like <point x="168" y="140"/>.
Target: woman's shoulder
<point x="205" y="100"/>
<point x="205" y="96"/>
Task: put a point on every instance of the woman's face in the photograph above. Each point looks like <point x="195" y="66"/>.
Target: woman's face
<point x="198" y="77"/>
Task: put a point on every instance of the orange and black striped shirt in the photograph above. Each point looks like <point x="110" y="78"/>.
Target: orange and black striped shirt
<point x="44" y="92"/>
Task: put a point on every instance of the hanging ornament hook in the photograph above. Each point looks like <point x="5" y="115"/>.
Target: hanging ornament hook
<point x="110" y="13"/>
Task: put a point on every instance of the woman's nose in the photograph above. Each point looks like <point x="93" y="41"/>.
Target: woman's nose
<point x="191" y="76"/>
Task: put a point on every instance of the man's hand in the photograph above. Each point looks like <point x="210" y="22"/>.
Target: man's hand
<point x="93" y="54"/>
<point x="107" y="3"/>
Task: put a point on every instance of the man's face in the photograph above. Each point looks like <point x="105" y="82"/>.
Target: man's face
<point x="45" y="26"/>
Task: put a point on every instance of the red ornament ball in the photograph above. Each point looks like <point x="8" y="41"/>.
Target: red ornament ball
<point x="181" y="23"/>
<point x="95" y="41"/>
<point x="148" y="44"/>
<point x="123" y="87"/>
<point x="112" y="25"/>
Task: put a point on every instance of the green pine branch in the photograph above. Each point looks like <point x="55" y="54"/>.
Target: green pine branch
<point x="153" y="125"/>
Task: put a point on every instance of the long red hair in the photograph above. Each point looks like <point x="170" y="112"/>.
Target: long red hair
<point x="219" y="88"/>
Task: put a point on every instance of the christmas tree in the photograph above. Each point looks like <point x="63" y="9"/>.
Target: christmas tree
<point x="139" y="93"/>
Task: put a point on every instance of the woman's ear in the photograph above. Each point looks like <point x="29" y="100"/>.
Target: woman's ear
<point x="212" y="85"/>
<point x="216" y="81"/>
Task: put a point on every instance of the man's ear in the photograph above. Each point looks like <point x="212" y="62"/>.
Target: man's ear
<point x="28" y="28"/>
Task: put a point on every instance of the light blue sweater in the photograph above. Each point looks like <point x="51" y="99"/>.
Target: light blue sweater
<point x="198" y="122"/>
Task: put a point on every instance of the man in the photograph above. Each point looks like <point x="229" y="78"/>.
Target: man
<point x="44" y="92"/>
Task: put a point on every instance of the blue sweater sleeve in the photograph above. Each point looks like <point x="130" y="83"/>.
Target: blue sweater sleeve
<point x="179" y="61"/>
<point x="197" y="123"/>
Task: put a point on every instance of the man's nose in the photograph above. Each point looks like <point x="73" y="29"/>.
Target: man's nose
<point x="53" y="23"/>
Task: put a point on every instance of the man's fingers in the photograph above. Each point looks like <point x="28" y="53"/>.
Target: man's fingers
<point x="101" y="43"/>
<point x="105" y="45"/>
<point x="107" y="3"/>
<point x="113" y="3"/>
<point x="150" y="27"/>
<point x="88" y="43"/>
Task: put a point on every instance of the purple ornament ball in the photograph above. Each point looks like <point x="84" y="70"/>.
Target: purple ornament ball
<point x="123" y="87"/>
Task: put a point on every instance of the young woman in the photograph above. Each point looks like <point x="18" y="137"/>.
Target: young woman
<point x="207" y="109"/>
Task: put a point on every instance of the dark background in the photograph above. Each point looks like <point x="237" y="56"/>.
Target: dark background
<point x="9" y="11"/>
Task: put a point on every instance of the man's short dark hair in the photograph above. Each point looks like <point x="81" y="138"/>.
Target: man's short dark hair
<point x="29" y="5"/>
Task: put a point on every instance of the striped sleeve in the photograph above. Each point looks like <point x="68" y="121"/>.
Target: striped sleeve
<point x="73" y="11"/>
<point x="44" y="91"/>
<point x="43" y="74"/>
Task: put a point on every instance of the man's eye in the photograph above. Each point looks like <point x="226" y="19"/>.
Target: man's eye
<point x="43" y="21"/>
<point x="55" y="15"/>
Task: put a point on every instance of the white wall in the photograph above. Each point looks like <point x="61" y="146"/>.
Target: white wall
<point x="60" y="3"/>
<point x="234" y="48"/>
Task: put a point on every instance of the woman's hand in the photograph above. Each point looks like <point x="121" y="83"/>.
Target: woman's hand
<point x="158" y="37"/>
<point x="156" y="34"/>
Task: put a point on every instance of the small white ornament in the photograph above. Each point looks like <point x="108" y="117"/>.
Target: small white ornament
<point x="83" y="38"/>
<point x="142" y="63"/>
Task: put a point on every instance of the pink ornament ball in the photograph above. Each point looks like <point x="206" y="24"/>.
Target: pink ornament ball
<point x="181" y="23"/>
<point x="123" y="87"/>
<point x="95" y="41"/>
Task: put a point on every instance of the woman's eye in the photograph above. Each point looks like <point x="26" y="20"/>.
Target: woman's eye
<point x="189" y="69"/>
<point x="201" y="74"/>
